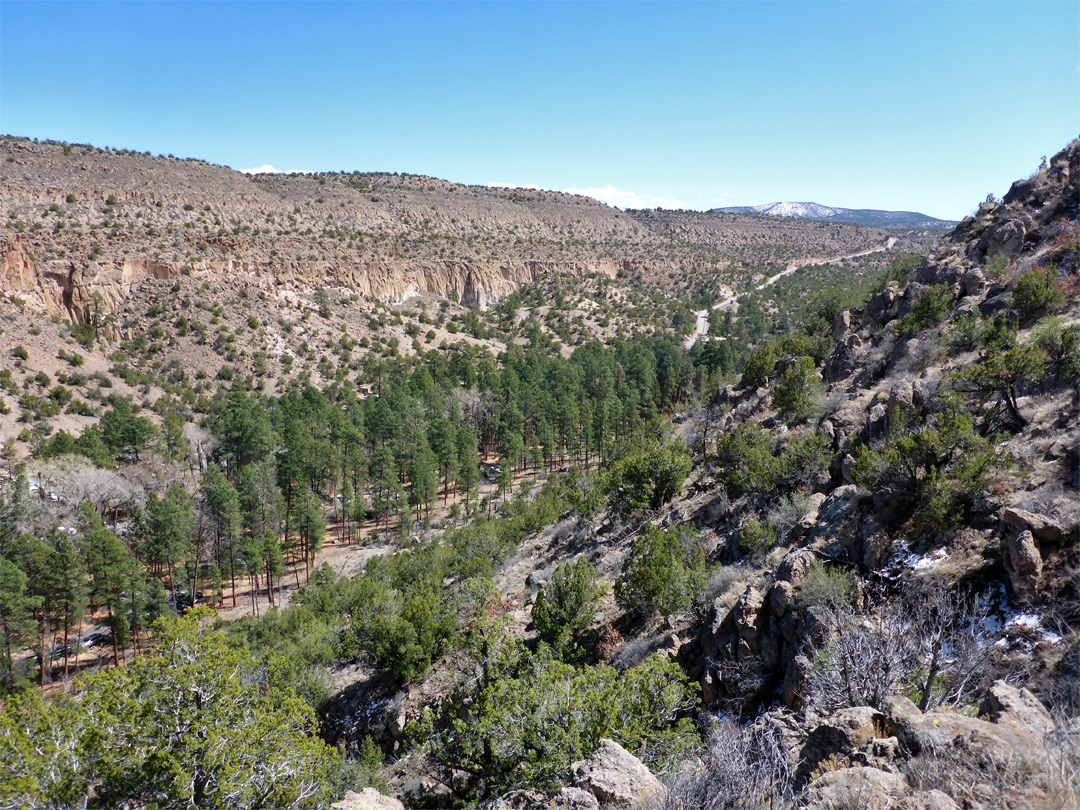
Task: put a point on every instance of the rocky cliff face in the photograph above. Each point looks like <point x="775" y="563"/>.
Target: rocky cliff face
<point x="82" y="221"/>
<point x="74" y="290"/>
<point x="78" y="290"/>
<point x="1010" y="545"/>
<point x="1032" y="220"/>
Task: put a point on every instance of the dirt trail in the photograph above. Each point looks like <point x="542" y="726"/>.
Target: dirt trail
<point x="701" y="328"/>
<point x="793" y="266"/>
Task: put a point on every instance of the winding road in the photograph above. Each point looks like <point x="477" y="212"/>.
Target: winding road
<point x="701" y="328"/>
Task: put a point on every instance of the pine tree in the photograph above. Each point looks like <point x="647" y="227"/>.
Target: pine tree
<point x="222" y="506"/>
<point x="109" y="564"/>
<point x="261" y="502"/>
<point x="171" y="525"/>
<point x="17" y="608"/>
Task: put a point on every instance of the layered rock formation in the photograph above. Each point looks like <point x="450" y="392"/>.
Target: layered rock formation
<point x="82" y="221"/>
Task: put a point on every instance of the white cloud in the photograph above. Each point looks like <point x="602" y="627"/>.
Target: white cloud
<point x="626" y="199"/>
<point x="266" y="168"/>
<point x="724" y="198"/>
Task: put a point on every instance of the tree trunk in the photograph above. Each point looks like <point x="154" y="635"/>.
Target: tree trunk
<point x="115" y="645"/>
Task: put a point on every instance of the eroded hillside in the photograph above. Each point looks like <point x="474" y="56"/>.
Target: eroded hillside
<point x="82" y="221"/>
<point x="825" y="558"/>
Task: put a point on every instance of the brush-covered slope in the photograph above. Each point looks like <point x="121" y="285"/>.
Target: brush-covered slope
<point x="80" y="220"/>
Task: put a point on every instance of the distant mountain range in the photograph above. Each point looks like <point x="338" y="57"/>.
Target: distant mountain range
<point x="858" y="216"/>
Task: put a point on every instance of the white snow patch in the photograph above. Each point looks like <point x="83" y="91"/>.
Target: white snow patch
<point x="1026" y="620"/>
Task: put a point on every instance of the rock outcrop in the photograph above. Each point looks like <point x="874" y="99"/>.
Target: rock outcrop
<point x="616" y="778"/>
<point x="1023" y="564"/>
<point x="368" y="799"/>
<point x="94" y="221"/>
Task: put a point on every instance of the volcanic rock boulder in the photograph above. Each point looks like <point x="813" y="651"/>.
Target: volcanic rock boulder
<point x="616" y="777"/>
<point x="1023" y="564"/>
<point x="368" y="799"/>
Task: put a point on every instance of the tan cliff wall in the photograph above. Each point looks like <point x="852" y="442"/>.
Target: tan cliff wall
<point x="73" y="290"/>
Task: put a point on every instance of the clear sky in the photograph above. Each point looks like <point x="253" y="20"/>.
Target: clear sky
<point x="918" y="106"/>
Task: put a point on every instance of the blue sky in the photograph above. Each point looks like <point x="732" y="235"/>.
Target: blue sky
<point x="920" y="106"/>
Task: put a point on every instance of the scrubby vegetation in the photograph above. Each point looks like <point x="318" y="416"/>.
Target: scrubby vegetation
<point x="830" y="538"/>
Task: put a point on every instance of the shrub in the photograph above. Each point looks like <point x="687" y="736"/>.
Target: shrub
<point x="803" y="345"/>
<point x="930" y="307"/>
<point x="741" y="768"/>
<point x="648" y="476"/>
<point x="797" y="394"/>
<point x="1046" y="334"/>
<point x="756" y="539"/>
<point x="1037" y="292"/>
<point x="929" y="642"/>
<point x="747" y="461"/>
<point x="1069" y="360"/>
<point x="759" y="365"/>
<point x="932" y="473"/>
<point x="565" y="609"/>
<point x="967" y="332"/>
<point x="1004" y="376"/>
<point x="20" y="353"/>
<point x="825" y="305"/>
<point x="322" y="301"/>
<point x="827" y="586"/>
<point x="662" y="573"/>
<point x="528" y="723"/>
<point x="84" y="334"/>
<point x="804" y="459"/>
<point x="898" y="272"/>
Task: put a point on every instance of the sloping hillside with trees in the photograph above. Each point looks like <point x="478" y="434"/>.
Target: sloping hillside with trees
<point x="834" y="567"/>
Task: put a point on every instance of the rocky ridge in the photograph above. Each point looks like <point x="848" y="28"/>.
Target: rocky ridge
<point x="85" y="226"/>
<point x="1017" y="550"/>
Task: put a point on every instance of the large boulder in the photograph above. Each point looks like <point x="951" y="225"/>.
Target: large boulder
<point x="834" y="534"/>
<point x="794" y="566"/>
<point x="616" y="777"/>
<point x="1043" y="527"/>
<point x="1005" y="703"/>
<point x="1005" y="763"/>
<point x="844" y="359"/>
<point x="972" y="283"/>
<point x="518" y="800"/>
<point x="368" y="799"/>
<point x="930" y="800"/>
<point x="841" y="734"/>
<point x="841" y="325"/>
<point x="939" y="733"/>
<point x="572" y="798"/>
<point x="877" y="545"/>
<point x="750" y="618"/>
<point x="789" y="575"/>
<point x="862" y="788"/>
<point x="1023" y="564"/>
<point x="781" y="595"/>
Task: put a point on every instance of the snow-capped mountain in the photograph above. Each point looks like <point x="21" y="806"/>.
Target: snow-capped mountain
<point x="827" y="213"/>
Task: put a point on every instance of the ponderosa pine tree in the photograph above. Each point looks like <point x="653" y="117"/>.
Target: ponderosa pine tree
<point x="222" y="506"/>
<point x="170" y="538"/>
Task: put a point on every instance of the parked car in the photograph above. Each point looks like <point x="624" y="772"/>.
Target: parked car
<point x="97" y="639"/>
<point x="184" y="601"/>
